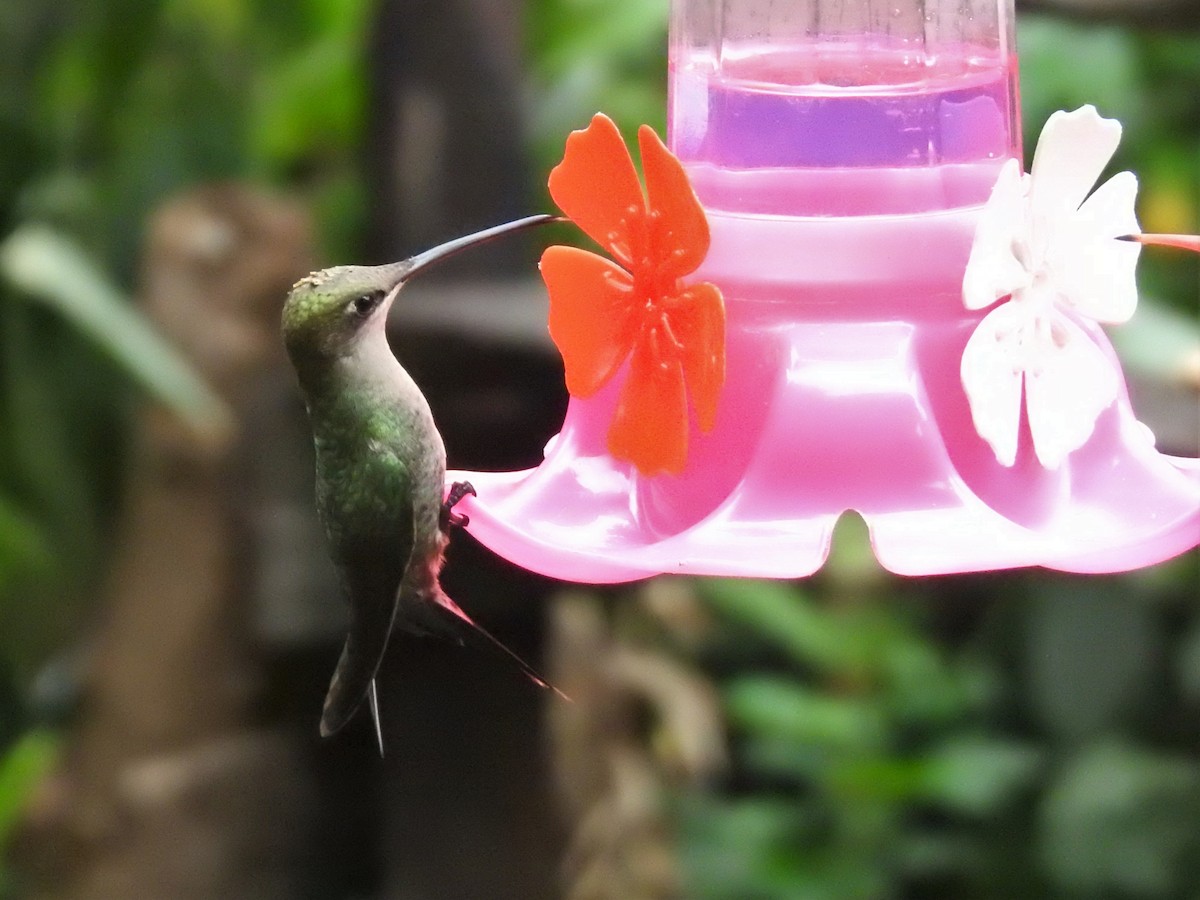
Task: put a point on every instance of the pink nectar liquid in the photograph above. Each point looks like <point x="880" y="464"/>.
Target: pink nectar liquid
<point x="844" y="128"/>
<point x="857" y="167"/>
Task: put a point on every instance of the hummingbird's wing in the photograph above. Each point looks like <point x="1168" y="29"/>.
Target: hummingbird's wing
<point x="372" y="576"/>
<point x="366" y="642"/>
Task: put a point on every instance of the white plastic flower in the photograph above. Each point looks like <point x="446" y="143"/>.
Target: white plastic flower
<point x="1049" y="248"/>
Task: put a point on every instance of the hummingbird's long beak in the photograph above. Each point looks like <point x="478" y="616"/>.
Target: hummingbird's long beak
<point x="429" y="258"/>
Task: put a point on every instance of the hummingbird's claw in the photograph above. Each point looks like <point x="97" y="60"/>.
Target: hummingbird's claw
<point x="450" y="519"/>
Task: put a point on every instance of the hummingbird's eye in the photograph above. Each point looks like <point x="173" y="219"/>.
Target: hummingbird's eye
<point x="365" y="304"/>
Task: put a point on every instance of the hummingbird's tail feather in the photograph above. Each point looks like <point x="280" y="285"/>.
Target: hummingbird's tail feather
<point x="448" y="606"/>
<point x="340" y="703"/>
<point x="373" y="698"/>
<point x="353" y="682"/>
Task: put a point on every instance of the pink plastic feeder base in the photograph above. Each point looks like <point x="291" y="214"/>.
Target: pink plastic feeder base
<point x="842" y="393"/>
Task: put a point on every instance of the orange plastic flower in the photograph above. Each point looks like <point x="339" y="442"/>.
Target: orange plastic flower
<point x="636" y="308"/>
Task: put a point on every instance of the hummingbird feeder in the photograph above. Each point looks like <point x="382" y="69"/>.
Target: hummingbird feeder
<point x="839" y="292"/>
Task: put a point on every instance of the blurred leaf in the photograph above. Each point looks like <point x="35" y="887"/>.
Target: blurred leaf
<point x="787" y="619"/>
<point x="48" y="265"/>
<point x="976" y="775"/>
<point x="22" y="766"/>
<point x="931" y="853"/>
<point x="920" y="686"/>
<point x="1060" y="70"/>
<point x="595" y="55"/>
<point x="1189" y="662"/>
<point x="779" y="709"/>
<point x="85" y="79"/>
<point x="1167" y="203"/>
<point x="221" y="20"/>
<point x="766" y="849"/>
<point x="1091" y="652"/>
<point x="562" y="32"/>
<point x="972" y="775"/>
<point x="311" y="101"/>
<point x="774" y="758"/>
<point x="1159" y="341"/>
<point x="1123" y="819"/>
<point x="312" y="105"/>
<point x="851" y="559"/>
<point x="888" y="777"/>
<point x="23" y="547"/>
<point x="1166" y="582"/>
<point x="54" y="405"/>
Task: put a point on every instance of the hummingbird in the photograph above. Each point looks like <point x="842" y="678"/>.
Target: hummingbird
<point x="380" y="467"/>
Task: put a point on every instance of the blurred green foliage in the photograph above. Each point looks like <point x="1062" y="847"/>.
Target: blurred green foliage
<point x="1039" y="742"/>
<point x="106" y="108"/>
<point x="26" y="761"/>
<point x="589" y="56"/>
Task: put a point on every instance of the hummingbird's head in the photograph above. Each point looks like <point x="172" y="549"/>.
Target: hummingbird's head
<point x="328" y="312"/>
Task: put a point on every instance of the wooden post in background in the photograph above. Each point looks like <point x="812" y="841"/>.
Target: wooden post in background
<point x="170" y="787"/>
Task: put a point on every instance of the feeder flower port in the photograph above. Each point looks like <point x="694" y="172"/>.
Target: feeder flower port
<point x="603" y="313"/>
<point x="1046" y="249"/>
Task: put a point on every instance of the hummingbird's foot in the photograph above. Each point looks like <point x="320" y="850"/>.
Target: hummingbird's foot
<point x="449" y="518"/>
